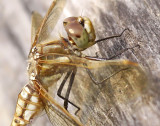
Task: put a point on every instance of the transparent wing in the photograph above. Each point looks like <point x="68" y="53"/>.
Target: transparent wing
<point x="99" y="85"/>
<point x="56" y="58"/>
<point x="108" y="85"/>
<point x="49" y="21"/>
<point x="118" y="86"/>
<point x="36" y="22"/>
<point x="56" y="113"/>
<point x="98" y="71"/>
<point x="56" y="117"/>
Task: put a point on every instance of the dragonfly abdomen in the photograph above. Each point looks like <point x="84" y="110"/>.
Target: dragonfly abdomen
<point x="28" y="106"/>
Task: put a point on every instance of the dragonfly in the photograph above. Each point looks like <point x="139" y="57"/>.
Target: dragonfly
<point x="49" y="60"/>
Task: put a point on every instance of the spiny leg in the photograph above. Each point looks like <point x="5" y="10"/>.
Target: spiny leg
<point x="62" y="85"/>
<point x="61" y="111"/>
<point x="101" y="59"/>
<point x="122" y="51"/>
<point x="105" y="79"/>
<point x="112" y="57"/>
<point x="69" y="89"/>
<point x="66" y="100"/>
<point x="118" y="53"/>
<point x="114" y="36"/>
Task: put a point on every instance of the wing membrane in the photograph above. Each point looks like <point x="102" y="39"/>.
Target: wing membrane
<point x="121" y="90"/>
<point x="36" y="21"/>
<point x="71" y="60"/>
<point x="118" y="81"/>
<point x="56" y="117"/>
<point x="100" y="71"/>
<point x="56" y="113"/>
<point x="49" y="21"/>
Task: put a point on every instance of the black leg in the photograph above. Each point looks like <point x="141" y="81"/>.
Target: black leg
<point x="105" y="79"/>
<point x="114" y="36"/>
<point x="69" y="89"/>
<point x="112" y="57"/>
<point x="66" y="101"/>
<point x="100" y="59"/>
<point x="62" y="84"/>
<point x="122" y="51"/>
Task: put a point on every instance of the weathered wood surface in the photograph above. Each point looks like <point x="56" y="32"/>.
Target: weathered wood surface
<point x="109" y="18"/>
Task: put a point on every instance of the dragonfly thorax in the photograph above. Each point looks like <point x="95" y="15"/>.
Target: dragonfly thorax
<point x="32" y="63"/>
<point x="80" y="32"/>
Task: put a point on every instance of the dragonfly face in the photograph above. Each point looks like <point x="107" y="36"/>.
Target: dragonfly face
<point x="80" y="32"/>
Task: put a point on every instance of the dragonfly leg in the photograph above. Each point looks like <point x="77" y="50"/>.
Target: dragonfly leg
<point x="122" y="51"/>
<point x="105" y="79"/>
<point x="114" y="36"/>
<point x="114" y="56"/>
<point x="68" y="91"/>
<point x="100" y="59"/>
<point x="66" y="98"/>
<point x="62" y="85"/>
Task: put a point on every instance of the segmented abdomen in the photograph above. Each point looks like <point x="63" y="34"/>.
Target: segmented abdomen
<point x="28" y="106"/>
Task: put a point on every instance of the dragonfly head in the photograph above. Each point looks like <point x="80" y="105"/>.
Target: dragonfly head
<point x="80" y="32"/>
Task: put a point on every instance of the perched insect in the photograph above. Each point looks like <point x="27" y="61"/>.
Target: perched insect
<point x="49" y="60"/>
